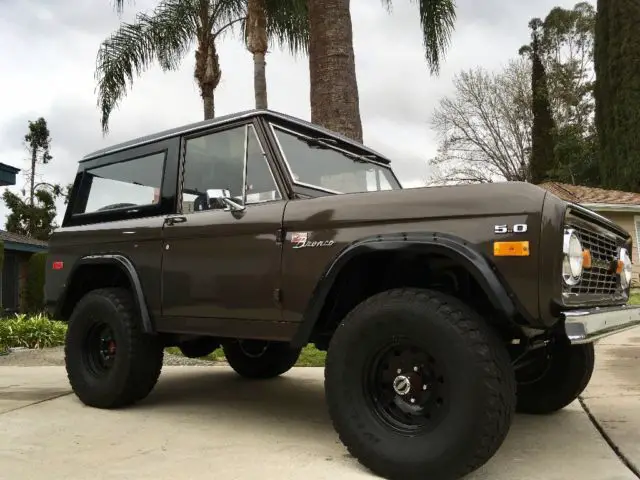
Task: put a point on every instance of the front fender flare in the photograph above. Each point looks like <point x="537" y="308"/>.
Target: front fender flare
<point x="124" y="264"/>
<point x="448" y="245"/>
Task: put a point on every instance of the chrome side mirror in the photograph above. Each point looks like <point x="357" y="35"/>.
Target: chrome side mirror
<point x="224" y="196"/>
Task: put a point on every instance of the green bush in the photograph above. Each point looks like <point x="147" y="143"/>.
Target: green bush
<point x="34" y="294"/>
<point x="35" y="331"/>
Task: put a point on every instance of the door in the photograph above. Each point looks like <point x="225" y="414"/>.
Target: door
<point x="217" y="262"/>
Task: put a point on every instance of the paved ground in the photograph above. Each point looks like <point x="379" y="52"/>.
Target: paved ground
<point x="206" y="422"/>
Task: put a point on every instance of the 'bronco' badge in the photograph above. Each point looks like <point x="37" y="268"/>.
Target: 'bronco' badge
<point x="301" y="240"/>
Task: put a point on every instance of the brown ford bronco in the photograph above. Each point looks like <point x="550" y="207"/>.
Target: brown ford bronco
<point x="443" y="310"/>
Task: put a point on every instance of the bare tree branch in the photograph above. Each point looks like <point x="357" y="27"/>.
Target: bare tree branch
<point x="484" y="128"/>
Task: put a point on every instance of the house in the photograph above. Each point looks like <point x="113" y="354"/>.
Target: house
<point x="622" y="208"/>
<point x="17" y="251"/>
<point x="8" y="175"/>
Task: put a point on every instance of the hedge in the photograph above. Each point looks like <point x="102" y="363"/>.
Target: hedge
<point x="34" y="294"/>
<point x="35" y="331"/>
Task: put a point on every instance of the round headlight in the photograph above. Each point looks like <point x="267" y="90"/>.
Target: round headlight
<point x="627" y="268"/>
<point x="572" y="263"/>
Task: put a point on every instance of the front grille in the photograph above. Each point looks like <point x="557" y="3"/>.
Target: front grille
<point x="598" y="280"/>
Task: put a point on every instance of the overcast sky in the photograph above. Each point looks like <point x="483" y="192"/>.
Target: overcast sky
<point x="48" y="56"/>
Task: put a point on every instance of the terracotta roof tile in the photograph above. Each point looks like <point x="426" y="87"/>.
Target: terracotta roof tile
<point x="581" y="194"/>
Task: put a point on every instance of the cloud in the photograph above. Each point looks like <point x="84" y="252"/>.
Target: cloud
<point x="49" y="71"/>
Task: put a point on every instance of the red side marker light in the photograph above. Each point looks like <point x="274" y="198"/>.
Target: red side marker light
<point x="58" y="265"/>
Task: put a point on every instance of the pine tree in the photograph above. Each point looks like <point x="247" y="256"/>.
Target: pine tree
<point x="543" y="129"/>
<point x="617" y="92"/>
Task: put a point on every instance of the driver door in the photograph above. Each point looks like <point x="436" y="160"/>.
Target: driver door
<point x="219" y="263"/>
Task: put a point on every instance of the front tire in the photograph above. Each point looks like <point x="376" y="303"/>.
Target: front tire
<point x="260" y="359"/>
<point x="110" y="362"/>
<point x="381" y="358"/>
<point x="556" y="379"/>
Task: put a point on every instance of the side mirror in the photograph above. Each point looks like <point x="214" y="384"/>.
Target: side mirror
<point x="224" y="196"/>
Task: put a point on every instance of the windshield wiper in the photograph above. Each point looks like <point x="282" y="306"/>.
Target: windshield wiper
<point x="321" y="142"/>
<point x="332" y="144"/>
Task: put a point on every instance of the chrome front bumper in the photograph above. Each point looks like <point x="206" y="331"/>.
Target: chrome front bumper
<point x="586" y="326"/>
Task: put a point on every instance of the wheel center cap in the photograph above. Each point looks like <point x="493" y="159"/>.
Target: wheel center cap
<point x="402" y="385"/>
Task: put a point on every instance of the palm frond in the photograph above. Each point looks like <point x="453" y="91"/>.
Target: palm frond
<point x="288" y="24"/>
<point x="164" y="36"/>
<point x="119" y="5"/>
<point x="437" y="19"/>
<point x="226" y="15"/>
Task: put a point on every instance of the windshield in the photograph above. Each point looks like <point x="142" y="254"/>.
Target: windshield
<point x="318" y="162"/>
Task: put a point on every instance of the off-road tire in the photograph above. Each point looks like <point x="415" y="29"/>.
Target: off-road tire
<point x="478" y="376"/>
<point x="138" y="356"/>
<point x="199" y="347"/>
<point x="276" y="359"/>
<point x="565" y="377"/>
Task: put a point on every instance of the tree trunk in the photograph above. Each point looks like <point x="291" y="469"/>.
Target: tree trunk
<point x="257" y="44"/>
<point x="209" y="105"/>
<point x="260" y="80"/>
<point x="33" y="176"/>
<point x="332" y="73"/>
<point x="207" y="73"/>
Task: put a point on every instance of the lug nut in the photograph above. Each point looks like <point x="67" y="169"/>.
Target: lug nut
<point x="415" y="369"/>
<point x="399" y="371"/>
<point x="424" y="387"/>
<point x="413" y="400"/>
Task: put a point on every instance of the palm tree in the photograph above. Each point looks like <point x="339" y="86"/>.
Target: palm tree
<point x="286" y="21"/>
<point x="332" y="72"/>
<point x="166" y="35"/>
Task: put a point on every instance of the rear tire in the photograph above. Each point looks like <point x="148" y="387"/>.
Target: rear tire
<point x="260" y="359"/>
<point x="110" y="362"/>
<point x="455" y="424"/>
<point x="560" y="376"/>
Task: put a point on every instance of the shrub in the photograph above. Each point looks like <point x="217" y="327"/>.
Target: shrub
<point x="35" y="331"/>
<point x="34" y="294"/>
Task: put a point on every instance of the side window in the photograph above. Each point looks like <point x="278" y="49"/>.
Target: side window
<point x="217" y="162"/>
<point x="125" y="184"/>
<point x="213" y="162"/>
<point x="261" y="186"/>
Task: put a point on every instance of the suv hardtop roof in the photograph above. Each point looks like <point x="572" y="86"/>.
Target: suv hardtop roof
<point x="247" y="114"/>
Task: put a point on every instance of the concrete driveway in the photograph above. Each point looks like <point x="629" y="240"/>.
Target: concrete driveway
<point x="205" y="422"/>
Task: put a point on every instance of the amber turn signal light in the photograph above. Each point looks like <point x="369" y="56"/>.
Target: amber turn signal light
<point x="586" y="259"/>
<point x="511" y="249"/>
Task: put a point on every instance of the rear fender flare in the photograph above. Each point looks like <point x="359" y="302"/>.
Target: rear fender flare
<point x="448" y="245"/>
<point x="126" y="266"/>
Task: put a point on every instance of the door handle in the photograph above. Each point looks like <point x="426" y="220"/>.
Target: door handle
<point x="174" y="220"/>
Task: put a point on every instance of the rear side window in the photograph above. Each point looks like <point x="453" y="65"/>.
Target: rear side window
<point x="122" y="185"/>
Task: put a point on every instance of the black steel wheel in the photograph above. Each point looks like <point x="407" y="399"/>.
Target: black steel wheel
<point x="100" y="349"/>
<point x="406" y="387"/>
<point x="419" y="386"/>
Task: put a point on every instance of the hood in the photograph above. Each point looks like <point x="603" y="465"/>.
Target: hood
<point x="460" y="201"/>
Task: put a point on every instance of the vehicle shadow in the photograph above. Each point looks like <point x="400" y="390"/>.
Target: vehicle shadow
<point x="293" y="399"/>
<point x="290" y="412"/>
